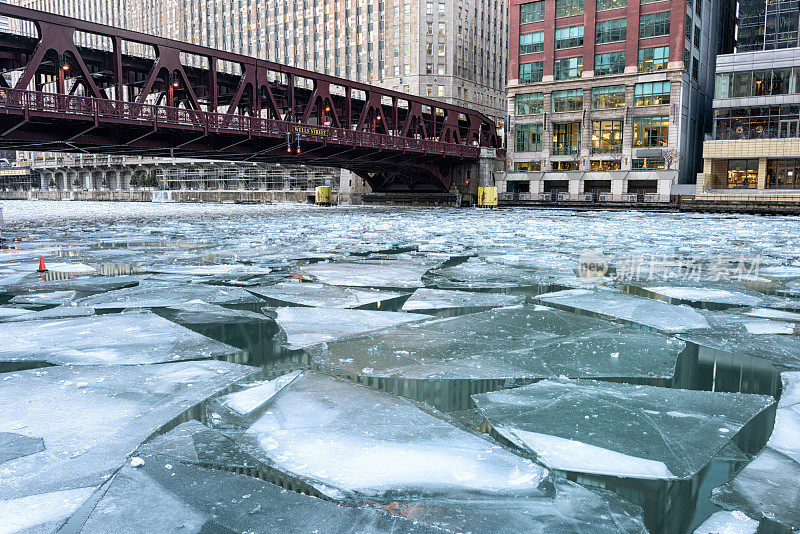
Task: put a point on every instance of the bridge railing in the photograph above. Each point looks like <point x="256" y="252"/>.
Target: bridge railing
<point x="82" y="106"/>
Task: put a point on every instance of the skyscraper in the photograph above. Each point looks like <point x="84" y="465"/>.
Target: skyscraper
<point x="610" y="96"/>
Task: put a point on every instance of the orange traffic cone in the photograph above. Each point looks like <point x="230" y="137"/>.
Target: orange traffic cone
<point x="42" y="268"/>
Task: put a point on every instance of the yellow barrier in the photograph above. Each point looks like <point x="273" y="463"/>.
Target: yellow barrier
<point x="322" y="195"/>
<point x="487" y="196"/>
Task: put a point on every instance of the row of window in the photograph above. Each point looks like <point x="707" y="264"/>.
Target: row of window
<point x="534" y="11"/>
<point x="648" y="132"/>
<point x="645" y="94"/>
<point x="595" y="165"/>
<point x="650" y="59"/>
<point x="607" y="31"/>
<point x="762" y="82"/>
<point x="774" y="122"/>
<point x="781" y="174"/>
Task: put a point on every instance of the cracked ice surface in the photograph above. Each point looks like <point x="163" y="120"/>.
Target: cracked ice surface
<point x="43" y="512"/>
<point x="311" y="294"/>
<point x="163" y="294"/>
<point x="705" y="295"/>
<point x="425" y="299"/>
<point x="518" y="342"/>
<point x="769" y="486"/>
<point x="728" y="523"/>
<point x="354" y="440"/>
<point x="389" y="274"/>
<point x="619" y="430"/>
<point x="659" y="316"/>
<point x="128" y="338"/>
<point x="91" y="417"/>
<point x="305" y="326"/>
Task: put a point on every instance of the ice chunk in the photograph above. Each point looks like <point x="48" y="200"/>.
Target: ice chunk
<point x="44" y="299"/>
<point x="14" y="445"/>
<point x="478" y="273"/>
<point x="189" y="498"/>
<point x="769" y="313"/>
<point x="509" y="343"/>
<point x="308" y="326"/>
<point x="59" y="312"/>
<point x="107" y="339"/>
<point x="163" y="294"/>
<point x="574" y="425"/>
<point x="207" y="270"/>
<point x="728" y="523"/>
<point x="391" y="274"/>
<point x="92" y="417"/>
<point x="780" y="271"/>
<point x="356" y="440"/>
<point x="311" y="294"/>
<point x="703" y="295"/>
<point x="614" y="305"/>
<point x="247" y="400"/>
<point x="438" y="299"/>
<point x="41" y="513"/>
<point x="82" y="286"/>
<point x="77" y="268"/>
<point x="769" y="486"/>
<point x="7" y="313"/>
<point x="769" y="327"/>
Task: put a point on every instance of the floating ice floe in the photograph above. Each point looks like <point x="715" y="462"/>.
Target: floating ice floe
<point x="130" y="338"/>
<point x="614" y="305"/>
<point x="254" y="396"/>
<point x="702" y="295"/>
<point x="477" y="273"/>
<point x="389" y="274"/>
<point x="164" y="294"/>
<point x="44" y="299"/>
<point x="59" y="312"/>
<point x="439" y="299"/>
<point x="92" y="417"/>
<point x="769" y="486"/>
<point x="311" y="294"/>
<point x="303" y="326"/>
<point x="44" y="512"/>
<point x="620" y="430"/>
<point x="769" y="313"/>
<point x="525" y="342"/>
<point x="83" y="286"/>
<point x="357" y="445"/>
<point x="728" y="523"/>
<point x="207" y="270"/>
<point x="767" y="326"/>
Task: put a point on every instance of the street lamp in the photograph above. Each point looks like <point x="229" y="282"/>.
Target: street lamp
<point x="62" y="73"/>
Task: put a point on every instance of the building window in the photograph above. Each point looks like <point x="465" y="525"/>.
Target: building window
<point x="531" y="72"/>
<point x="608" y="97"/>
<point x="655" y="58"/>
<point x="638" y="164"/>
<point x="530" y="166"/>
<point x="606" y="165"/>
<point x="567" y="8"/>
<point x="530" y="43"/>
<point x="603" y="5"/>
<point x="650" y="132"/>
<point x="570" y="67"/>
<point x="782" y="173"/>
<point x="773" y="122"/>
<point x="606" y="137"/>
<point x="565" y="165"/>
<point x="763" y="82"/>
<point x="611" y="63"/>
<point x="569" y="37"/>
<point x="654" y="24"/>
<point x="651" y="93"/>
<point x="569" y="100"/>
<point x="566" y="138"/>
<point x="609" y="31"/>
<point x="528" y="138"/>
<point x="742" y="173"/>
<point x="531" y="12"/>
<point x="529" y="104"/>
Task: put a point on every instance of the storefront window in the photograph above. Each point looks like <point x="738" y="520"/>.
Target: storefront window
<point x="742" y="173"/>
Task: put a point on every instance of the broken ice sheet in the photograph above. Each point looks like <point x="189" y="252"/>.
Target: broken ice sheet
<point x="163" y="294"/>
<point x="388" y="274"/>
<point x="769" y="486"/>
<point x="354" y="440"/>
<point x="91" y="417"/>
<point x="477" y="273"/>
<point x="425" y="299"/>
<point x="303" y="326"/>
<point x="355" y="444"/>
<point x="40" y="513"/>
<point x="311" y="294"/>
<point x="164" y="495"/>
<point x="59" y="312"/>
<point x="224" y="270"/>
<point x="44" y="299"/>
<point x="129" y="338"/>
<point x="620" y="430"/>
<point x="247" y="401"/>
<point x="611" y="304"/>
<point x="702" y="296"/>
<point x="82" y="286"/>
<point x="734" y="522"/>
<point x="510" y="343"/>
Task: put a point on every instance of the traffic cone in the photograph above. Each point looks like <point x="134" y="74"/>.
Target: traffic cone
<point x="42" y="268"/>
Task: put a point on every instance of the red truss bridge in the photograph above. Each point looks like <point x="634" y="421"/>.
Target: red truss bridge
<point x="73" y="86"/>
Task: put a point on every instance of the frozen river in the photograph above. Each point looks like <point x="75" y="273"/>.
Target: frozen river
<point x="363" y="369"/>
